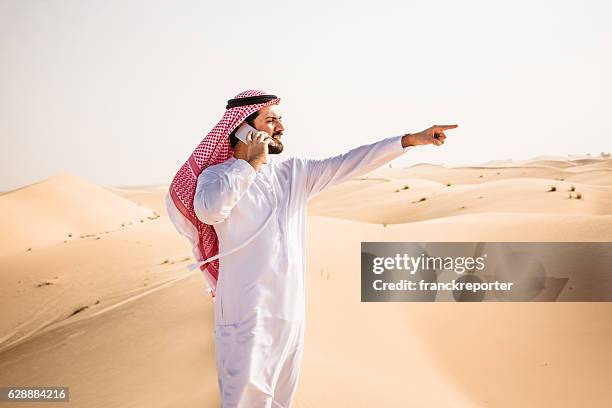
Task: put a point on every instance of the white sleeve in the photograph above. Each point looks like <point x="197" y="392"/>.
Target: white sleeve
<point x="324" y="173"/>
<point x="218" y="192"/>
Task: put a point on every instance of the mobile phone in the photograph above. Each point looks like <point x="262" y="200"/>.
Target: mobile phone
<point x="243" y="130"/>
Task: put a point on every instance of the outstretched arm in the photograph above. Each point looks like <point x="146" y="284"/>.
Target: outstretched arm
<point x="324" y="173"/>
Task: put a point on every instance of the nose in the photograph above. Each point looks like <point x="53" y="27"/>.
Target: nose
<point x="280" y="127"/>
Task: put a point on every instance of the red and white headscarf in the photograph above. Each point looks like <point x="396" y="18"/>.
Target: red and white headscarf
<point x="215" y="148"/>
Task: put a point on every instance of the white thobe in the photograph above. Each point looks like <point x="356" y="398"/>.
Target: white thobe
<point x="260" y="297"/>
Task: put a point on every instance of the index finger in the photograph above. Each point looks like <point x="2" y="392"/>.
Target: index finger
<point x="445" y="127"/>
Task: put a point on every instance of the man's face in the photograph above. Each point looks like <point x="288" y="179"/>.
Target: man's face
<point x="269" y="121"/>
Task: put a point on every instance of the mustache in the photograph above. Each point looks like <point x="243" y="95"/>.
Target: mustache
<point x="277" y="134"/>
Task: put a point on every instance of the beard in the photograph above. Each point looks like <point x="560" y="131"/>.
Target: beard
<point x="277" y="147"/>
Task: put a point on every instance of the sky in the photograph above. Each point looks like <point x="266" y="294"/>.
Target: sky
<point x="120" y="92"/>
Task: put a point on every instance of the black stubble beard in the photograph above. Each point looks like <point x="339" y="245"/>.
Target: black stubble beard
<point x="277" y="148"/>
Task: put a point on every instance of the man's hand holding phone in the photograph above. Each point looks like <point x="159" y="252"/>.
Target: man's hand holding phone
<point x="257" y="148"/>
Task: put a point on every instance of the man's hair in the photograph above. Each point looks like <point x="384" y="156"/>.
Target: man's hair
<point x="250" y="120"/>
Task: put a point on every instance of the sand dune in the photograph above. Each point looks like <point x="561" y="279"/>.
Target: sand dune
<point x="480" y="174"/>
<point x="425" y="200"/>
<point x="497" y="355"/>
<point x="44" y="287"/>
<point x="586" y="161"/>
<point x="62" y="208"/>
<point x="154" y="351"/>
<point x="150" y="197"/>
<point x="115" y="315"/>
<point x="562" y="164"/>
<point x="598" y="164"/>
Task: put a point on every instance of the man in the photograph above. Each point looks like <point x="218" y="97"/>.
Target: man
<point x="256" y="209"/>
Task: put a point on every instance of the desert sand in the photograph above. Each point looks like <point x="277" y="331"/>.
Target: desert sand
<point x="94" y="294"/>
